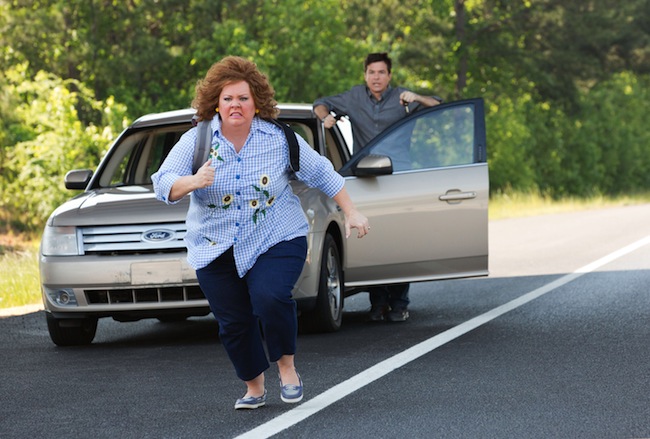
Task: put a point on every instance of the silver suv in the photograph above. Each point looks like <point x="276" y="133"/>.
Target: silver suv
<point x="114" y="251"/>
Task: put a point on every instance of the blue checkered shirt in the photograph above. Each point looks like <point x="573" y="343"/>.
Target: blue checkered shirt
<point x="250" y="206"/>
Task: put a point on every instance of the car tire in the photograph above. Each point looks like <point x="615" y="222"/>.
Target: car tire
<point x="328" y="313"/>
<point x="71" y="332"/>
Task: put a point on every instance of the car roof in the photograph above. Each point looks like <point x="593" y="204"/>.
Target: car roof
<point x="185" y="115"/>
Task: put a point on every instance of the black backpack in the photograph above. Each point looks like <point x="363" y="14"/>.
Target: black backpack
<point x="204" y="141"/>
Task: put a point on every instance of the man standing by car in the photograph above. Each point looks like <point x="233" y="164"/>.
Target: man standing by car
<point x="372" y="108"/>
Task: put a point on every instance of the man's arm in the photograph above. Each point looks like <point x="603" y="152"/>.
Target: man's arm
<point x="323" y="113"/>
<point x="427" y="101"/>
<point x="339" y="103"/>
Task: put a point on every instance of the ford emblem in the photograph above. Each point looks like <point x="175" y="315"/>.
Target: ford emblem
<point x="158" y="235"/>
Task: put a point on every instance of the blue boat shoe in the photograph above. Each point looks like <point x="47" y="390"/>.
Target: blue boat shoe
<point x="291" y="393"/>
<point x="252" y="402"/>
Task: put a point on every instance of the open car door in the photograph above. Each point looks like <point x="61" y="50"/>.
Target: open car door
<point x="424" y="186"/>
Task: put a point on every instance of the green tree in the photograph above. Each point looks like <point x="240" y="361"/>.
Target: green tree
<point x="565" y="82"/>
<point x="50" y="139"/>
<point x="611" y="121"/>
<point x="511" y="163"/>
<point x="297" y="44"/>
<point x="150" y="54"/>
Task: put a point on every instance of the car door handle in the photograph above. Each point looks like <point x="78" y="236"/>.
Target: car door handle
<point x="456" y="195"/>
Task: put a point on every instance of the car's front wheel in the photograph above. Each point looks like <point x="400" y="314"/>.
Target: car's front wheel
<point x="71" y="332"/>
<point x="328" y="313"/>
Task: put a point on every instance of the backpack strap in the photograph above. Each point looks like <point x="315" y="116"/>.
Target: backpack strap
<point x="203" y="143"/>
<point x="294" y="148"/>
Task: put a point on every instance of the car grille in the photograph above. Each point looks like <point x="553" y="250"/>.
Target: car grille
<point x="134" y="239"/>
<point x="144" y="295"/>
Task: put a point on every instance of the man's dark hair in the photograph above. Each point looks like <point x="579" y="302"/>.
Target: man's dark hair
<point x="377" y="57"/>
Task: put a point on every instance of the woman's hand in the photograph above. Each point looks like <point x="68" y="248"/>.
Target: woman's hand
<point x="204" y="177"/>
<point x="353" y="218"/>
<point x="356" y="220"/>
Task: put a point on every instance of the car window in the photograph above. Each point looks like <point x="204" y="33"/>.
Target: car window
<point x="303" y="131"/>
<point x="440" y="138"/>
<point x="333" y="150"/>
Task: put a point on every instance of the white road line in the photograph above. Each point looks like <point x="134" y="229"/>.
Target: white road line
<point x="340" y="391"/>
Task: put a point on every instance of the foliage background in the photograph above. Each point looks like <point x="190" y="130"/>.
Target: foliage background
<point x="566" y="83"/>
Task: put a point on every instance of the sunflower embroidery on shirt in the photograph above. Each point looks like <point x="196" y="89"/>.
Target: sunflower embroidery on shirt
<point x="226" y="201"/>
<point x="255" y="204"/>
<point x="214" y="153"/>
<point x="260" y="206"/>
<point x="264" y="182"/>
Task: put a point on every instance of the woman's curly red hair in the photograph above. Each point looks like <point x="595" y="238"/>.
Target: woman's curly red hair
<point x="229" y="70"/>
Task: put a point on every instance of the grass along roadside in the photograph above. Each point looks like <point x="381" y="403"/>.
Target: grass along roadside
<point x="516" y="205"/>
<point x="19" y="277"/>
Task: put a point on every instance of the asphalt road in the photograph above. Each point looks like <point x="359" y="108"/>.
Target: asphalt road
<point x="553" y="344"/>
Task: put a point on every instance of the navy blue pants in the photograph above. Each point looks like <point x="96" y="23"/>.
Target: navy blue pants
<point x="261" y="298"/>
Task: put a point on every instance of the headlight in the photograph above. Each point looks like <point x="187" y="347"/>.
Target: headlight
<point x="59" y="241"/>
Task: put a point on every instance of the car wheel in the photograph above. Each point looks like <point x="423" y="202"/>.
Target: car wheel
<point x="328" y="313"/>
<point x="71" y="332"/>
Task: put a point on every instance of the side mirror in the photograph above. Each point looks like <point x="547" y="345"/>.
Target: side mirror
<point x="373" y="165"/>
<point x="77" y="179"/>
